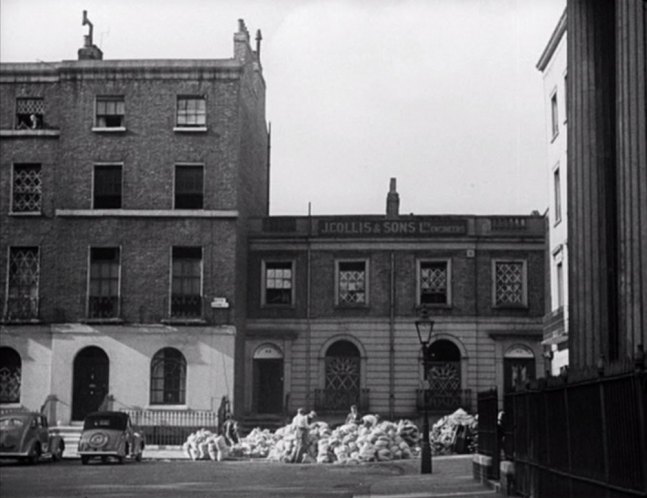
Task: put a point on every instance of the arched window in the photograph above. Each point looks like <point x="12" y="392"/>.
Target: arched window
<point x="343" y="363"/>
<point x="444" y="374"/>
<point x="10" y="375"/>
<point x="168" y="378"/>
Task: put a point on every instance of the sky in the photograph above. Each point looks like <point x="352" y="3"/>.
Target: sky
<point x="442" y="95"/>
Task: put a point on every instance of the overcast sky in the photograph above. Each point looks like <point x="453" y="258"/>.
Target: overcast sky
<point x="441" y="94"/>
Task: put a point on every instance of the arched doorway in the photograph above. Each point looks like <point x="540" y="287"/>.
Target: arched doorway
<point x="444" y="375"/>
<point x="518" y="367"/>
<point x="10" y="375"/>
<point x="268" y="379"/>
<point x="90" y="382"/>
<point x="343" y="376"/>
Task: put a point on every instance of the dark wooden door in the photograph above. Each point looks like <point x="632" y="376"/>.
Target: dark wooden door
<point x="90" y="384"/>
<point x="517" y="371"/>
<point x="268" y="385"/>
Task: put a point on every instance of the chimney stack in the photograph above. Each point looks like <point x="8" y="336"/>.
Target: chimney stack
<point x="242" y="50"/>
<point x="392" y="201"/>
<point x="89" y="51"/>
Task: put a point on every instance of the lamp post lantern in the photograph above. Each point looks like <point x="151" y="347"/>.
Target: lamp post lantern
<point x="424" y="327"/>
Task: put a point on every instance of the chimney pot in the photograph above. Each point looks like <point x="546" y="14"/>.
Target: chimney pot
<point x="392" y="201"/>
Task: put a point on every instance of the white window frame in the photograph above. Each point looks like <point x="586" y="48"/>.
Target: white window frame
<point x="7" y="269"/>
<point x="186" y="128"/>
<point x="170" y="286"/>
<point x="187" y="164"/>
<point x="264" y="264"/>
<point x="524" y="277"/>
<point x="565" y="98"/>
<point x="11" y="192"/>
<point x="94" y="169"/>
<point x="419" y="263"/>
<point x="557" y="194"/>
<point x="88" y="279"/>
<point x="108" y="129"/>
<point x="366" y="282"/>
<point x="34" y="98"/>
<point x="554" y="114"/>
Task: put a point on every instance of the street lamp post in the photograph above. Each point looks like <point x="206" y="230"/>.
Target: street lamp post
<point x="424" y="326"/>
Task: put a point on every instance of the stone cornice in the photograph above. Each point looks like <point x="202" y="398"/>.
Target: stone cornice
<point x="552" y="44"/>
<point x="145" y="213"/>
<point x="21" y="72"/>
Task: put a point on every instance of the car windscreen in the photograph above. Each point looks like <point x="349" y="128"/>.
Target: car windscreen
<point x="104" y="422"/>
<point x="12" y="423"/>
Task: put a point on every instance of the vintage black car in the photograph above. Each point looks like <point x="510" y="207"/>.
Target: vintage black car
<point x="26" y="436"/>
<point x="110" y="435"/>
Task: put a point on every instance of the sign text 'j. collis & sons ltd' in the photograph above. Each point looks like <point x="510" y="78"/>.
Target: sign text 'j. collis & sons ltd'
<point x="419" y="227"/>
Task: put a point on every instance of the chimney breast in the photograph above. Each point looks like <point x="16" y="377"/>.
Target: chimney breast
<point x="392" y="201"/>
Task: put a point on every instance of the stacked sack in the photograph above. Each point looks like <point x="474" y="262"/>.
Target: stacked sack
<point x="348" y="443"/>
<point x="205" y="445"/>
<point x="257" y="444"/>
<point x="449" y="430"/>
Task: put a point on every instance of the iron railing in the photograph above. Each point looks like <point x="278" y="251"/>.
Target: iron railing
<point x="186" y="306"/>
<point x="172" y="427"/>
<point x="21" y="308"/>
<point x="103" y="307"/>
<point x="445" y="402"/>
<point x="585" y="437"/>
<point x="340" y="400"/>
<point x="489" y="442"/>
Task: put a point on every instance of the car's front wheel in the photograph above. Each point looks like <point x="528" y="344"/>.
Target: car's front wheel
<point x="57" y="452"/>
<point x="34" y="454"/>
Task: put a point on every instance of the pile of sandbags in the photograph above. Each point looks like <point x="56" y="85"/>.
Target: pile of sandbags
<point x="348" y="443"/>
<point x="205" y="445"/>
<point x="257" y="444"/>
<point x="369" y="441"/>
<point x="452" y="433"/>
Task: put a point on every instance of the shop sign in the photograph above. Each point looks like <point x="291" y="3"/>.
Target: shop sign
<point x="425" y="227"/>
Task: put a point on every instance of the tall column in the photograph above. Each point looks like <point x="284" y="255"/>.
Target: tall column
<point x="631" y="160"/>
<point x="591" y="185"/>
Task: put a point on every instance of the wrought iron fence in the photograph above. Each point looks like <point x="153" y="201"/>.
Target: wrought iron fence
<point x="172" y="427"/>
<point x="585" y="437"/>
<point x="334" y="400"/>
<point x="488" y="410"/>
<point x="445" y="402"/>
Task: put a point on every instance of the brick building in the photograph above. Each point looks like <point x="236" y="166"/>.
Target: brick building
<point x="332" y="303"/>
<point x="126" y="187"/>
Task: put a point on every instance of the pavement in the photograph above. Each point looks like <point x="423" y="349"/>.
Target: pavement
<point x="451" y="477"/>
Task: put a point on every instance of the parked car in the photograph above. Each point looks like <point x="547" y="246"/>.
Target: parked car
<point x="110" y="435"/>
<point x="26" y="436"/>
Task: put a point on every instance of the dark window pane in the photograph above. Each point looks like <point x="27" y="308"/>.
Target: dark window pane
<point x="107" y="187"/>
<point x="189" y="187"/>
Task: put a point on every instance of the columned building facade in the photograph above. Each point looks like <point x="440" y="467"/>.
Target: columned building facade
<point x="607" y="172"/>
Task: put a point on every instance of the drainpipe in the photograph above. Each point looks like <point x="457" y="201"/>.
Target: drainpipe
<point x="308" y="310"/>
<point x="392" y="338"/>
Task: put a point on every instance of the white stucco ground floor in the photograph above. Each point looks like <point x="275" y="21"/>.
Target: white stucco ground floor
<point x="72" y="369"/>
<point x="328" y="364"/>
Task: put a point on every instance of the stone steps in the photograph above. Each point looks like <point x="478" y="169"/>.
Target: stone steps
<point x="71" y="435"/>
